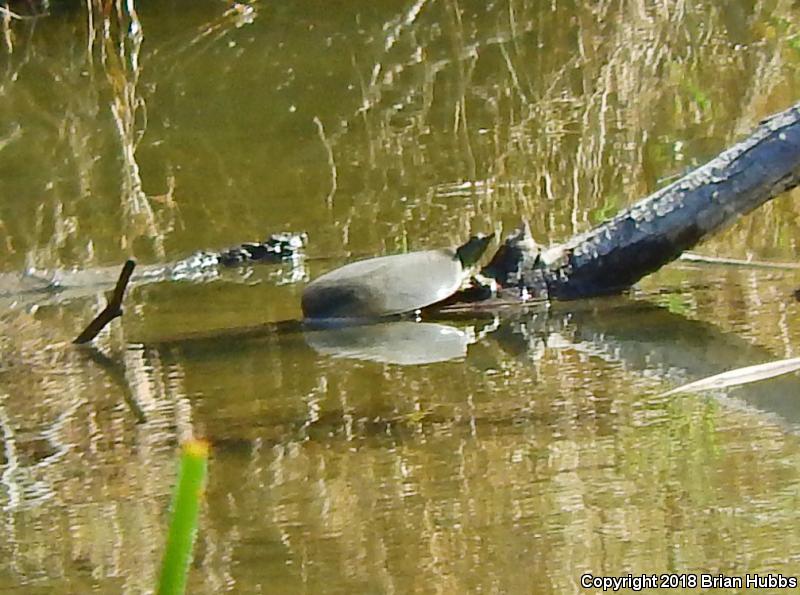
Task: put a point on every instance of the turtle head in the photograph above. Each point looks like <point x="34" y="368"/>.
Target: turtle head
<point x="470" y="252"/>
<point x="518" y="254"/>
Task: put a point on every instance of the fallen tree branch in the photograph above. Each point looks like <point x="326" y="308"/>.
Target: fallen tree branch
<point x="112" y="310"/>
<point x="654" y="231"/>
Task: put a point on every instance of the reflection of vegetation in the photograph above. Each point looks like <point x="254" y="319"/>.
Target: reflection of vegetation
<point x="101" y="65"/>
<point x="547" y="109"/>
<point x="605" y="211"/>
<point x="674" y="303"/>
<point x="794" y="43"/>
<point x="698" y="96"/>
<point x="472" y="79"/>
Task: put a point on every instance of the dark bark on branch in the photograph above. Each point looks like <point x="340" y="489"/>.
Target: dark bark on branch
<point x="112" y="310"/>
<point x="656" y="230"/>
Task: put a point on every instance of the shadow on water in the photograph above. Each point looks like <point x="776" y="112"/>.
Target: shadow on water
<point x="648" y="338"/>
<point x="644" y="338"/>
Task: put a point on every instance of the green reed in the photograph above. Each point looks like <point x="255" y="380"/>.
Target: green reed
<point x="183" y="522"/>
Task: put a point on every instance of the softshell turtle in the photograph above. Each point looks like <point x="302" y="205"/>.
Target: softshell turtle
<point x="388" y="285"/>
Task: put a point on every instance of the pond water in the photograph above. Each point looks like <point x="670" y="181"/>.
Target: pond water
<point x="505" y="453"/>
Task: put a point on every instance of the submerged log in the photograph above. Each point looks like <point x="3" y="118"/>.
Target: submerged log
<point x="656" y="230"/>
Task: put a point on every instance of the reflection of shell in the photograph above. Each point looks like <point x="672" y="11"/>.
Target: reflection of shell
<point x="402" y="342"/>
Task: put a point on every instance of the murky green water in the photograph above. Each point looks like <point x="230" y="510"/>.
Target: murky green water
<point x="539" y="448"/>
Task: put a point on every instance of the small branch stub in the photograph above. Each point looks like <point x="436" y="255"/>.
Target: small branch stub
<point x="112" y="310"/>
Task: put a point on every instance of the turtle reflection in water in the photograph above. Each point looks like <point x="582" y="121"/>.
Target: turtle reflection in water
<point x="389" y="285"/>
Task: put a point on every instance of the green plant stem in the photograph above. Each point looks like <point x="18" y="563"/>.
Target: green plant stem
<point x="183" y="522"/>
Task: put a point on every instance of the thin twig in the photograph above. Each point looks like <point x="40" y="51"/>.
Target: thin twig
<point x="112" y="310"/>
<point x="5" y="12"/>
<point x="11" y="14"/>
<point x="331" y="162"/>
<point x="8" y="37"/>
<point x="722" y="260"/>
